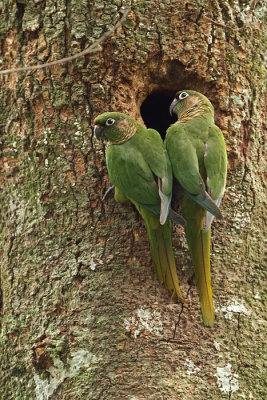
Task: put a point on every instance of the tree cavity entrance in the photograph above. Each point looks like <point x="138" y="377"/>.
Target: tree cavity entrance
<point x="155" y="111"/>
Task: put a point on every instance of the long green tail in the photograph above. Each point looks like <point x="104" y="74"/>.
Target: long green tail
<point x="199" y="245"/>
<point x="162" y="253"/>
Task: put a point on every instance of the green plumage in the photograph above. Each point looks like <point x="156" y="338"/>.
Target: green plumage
<point x="197" y="153"/>
<point x="139" y="167"/>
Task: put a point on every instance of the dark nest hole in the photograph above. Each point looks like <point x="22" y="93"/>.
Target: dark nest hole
<point x="155" y="111"/>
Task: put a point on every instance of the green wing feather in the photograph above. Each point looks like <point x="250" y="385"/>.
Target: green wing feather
<point x="215" y="161"/>
<point x="154" y="152"/>
<point x="130" y="173"/>
<point x="133" y="171"/>
<point x="183" y="158"/>
<point x="198" y="157"/>
<point x="185" y="153"/>
<point x="150" y="144"/>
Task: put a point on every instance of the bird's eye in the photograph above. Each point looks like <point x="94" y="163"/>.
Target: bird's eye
<point x="183" y="95"/>
<point x="110" y="121"/>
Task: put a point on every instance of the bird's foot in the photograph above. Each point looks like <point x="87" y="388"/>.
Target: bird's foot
<point x="107" y="192"/>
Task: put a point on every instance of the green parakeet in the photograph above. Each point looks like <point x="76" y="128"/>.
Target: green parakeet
<point x="139" y="167"/>
<point x="197" y="152"/>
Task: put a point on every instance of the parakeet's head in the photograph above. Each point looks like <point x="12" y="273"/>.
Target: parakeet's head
<point x="190" y="103"/>
<point x="115" y="127"/>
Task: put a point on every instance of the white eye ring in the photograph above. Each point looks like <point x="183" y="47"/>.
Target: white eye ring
<point x="110" y="121"/>
<point x="183" y="95"/>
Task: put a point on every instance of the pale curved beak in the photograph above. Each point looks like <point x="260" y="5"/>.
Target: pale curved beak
<point x="173" y="106"/>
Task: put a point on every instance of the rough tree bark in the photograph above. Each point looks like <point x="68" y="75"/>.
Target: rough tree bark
<point x="82" y="313"/>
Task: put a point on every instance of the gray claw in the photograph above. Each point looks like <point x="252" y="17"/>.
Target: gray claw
<point x="107" y="192"/>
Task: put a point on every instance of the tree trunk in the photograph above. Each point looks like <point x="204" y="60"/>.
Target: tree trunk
<point x="82" y="313"/>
